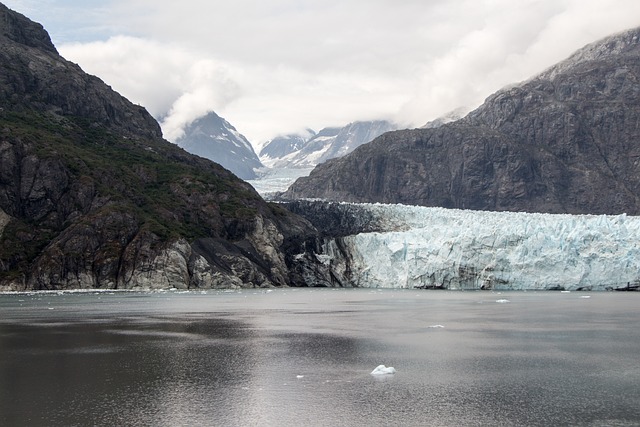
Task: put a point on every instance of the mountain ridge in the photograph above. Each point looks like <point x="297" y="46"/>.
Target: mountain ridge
<point x="91" y="196"/>
<point x="565" y="141"/>
<point x="295" y="151"/>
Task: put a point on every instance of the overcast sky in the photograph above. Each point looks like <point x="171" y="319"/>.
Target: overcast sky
<point x="278" y="66"/>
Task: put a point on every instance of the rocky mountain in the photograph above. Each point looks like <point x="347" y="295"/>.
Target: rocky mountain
<point x="567" y="140"/>
<point x="282" y="146"/>
<point x="295" y="151"/>
<point x="214" y="138"/>
<point x="91" y="196"/>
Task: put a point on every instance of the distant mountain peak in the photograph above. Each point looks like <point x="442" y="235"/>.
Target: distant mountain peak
<point x="297" y="152"/>
<point x="214" y="138"/>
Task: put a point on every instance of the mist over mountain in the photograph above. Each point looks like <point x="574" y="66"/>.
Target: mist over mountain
<point x="214" y="138"/>
<point x="451" y="116"/>
<point x="565" y="141"/>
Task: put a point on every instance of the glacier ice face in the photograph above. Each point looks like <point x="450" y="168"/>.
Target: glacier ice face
<point x="459" y="249"/>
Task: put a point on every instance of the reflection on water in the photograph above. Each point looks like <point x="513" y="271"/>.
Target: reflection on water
<point x="293" y="357"/>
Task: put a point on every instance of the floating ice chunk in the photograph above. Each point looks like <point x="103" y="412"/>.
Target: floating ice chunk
<point x="299" y="376"/>
<point x="585" y="296"/>
<point x="383" y="370"/>
<point x="436" y="326"/>
<point x="502" y="301"/>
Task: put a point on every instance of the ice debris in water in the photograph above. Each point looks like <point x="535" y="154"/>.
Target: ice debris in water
<point x="502" y="301"/>
<point x="436" y="326"/>
<point x="382" y="370"/>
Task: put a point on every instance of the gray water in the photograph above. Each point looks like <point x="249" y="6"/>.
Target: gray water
<point x="303" y="357"/>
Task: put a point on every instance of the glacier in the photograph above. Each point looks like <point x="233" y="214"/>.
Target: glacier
<point x="424" y="247"/>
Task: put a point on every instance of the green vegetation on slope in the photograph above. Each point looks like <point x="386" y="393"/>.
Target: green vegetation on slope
<point x="169" y="193"/>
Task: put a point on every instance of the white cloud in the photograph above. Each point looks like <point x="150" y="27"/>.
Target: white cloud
<point x="176" y="86"/>
<point x="513" y="43"/>
<point x="283" y="65"/>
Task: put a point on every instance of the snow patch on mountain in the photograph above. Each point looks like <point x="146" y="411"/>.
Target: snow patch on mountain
<point x="327" y="144"/>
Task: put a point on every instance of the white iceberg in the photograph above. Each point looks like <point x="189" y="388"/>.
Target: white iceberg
<point x="383" y="370"/>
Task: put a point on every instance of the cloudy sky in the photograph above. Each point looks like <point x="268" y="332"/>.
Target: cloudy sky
<point x="278" y="66"/>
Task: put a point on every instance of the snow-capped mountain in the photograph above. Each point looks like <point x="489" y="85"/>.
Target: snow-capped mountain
<point x="216" y="139"/>
<point x="294" y="151"/>
<point x="284" y="145"/>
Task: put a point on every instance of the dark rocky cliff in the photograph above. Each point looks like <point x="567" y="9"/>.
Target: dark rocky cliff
<point x="566" y="141"/>
<point x="91" y="196"/>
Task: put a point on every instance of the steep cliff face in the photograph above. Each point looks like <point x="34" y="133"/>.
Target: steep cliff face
<point x="567" y="140"/>
<point x="34" y="77"/>
<point x="92" y="196"/>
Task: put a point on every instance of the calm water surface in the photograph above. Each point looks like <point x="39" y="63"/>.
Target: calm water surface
<point x="303" y="357"/>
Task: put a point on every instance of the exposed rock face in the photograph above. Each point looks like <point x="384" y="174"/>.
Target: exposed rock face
<point x="4" y="220"/>
<point x="566" y="141"/>
<point x="34" y="76"/>
<point x="338" y="219"/>
<point x="23" y="31"/>
<point x="91" y="196"/>
<point x="214" y="138"/>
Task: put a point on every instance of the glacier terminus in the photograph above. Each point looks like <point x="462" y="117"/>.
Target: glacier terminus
<point x="422" y="247"/>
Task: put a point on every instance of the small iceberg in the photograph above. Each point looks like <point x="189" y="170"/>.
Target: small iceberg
<point x="436" y="326"/>
<point x="383" y="370"/>
<point x="502" y="301"/>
